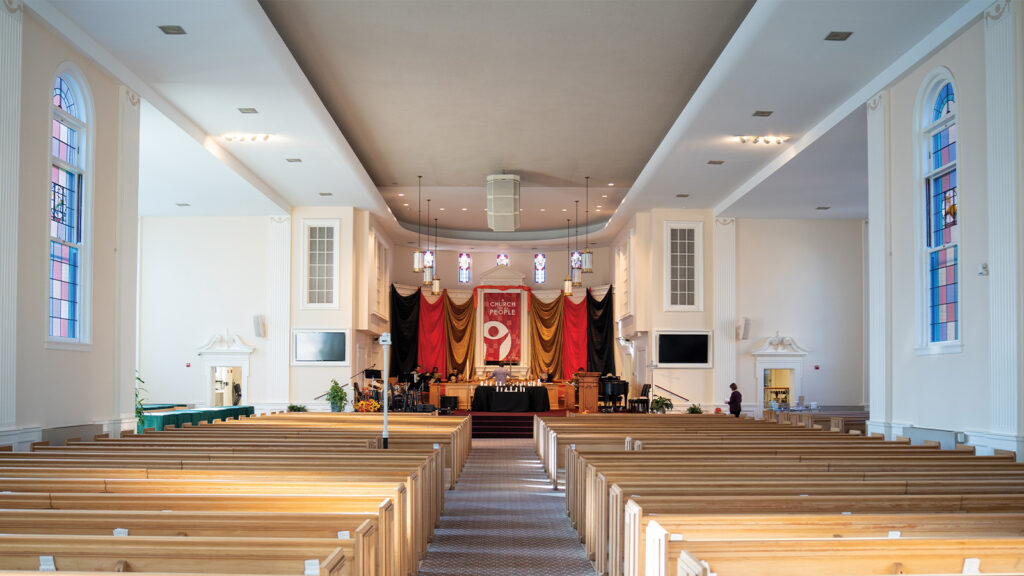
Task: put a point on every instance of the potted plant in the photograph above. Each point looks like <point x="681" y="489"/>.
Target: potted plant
<point x="660" y="404"/>
<point x="297" y="408"/>
<point x="337" y="396"/>
<point x="139" y="399"/>
<point x="694" y="409"/>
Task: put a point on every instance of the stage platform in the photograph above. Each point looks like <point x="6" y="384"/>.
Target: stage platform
<point x="505" y="424"/>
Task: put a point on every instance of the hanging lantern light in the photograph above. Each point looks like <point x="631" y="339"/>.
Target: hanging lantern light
<point x="428" y="255"/>
<point x="588" y="256"/>
<point x="576" y="259"/>
<point x="435" y="285"/>
<point x="417" y="256"/>
<point x="567" y="285"/>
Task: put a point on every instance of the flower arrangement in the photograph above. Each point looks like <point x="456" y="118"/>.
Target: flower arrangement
<point x="368" y="406"/>
<point x="718" y="410"/>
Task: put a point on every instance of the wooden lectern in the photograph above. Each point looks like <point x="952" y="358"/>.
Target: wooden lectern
<point x="588" y="392"/>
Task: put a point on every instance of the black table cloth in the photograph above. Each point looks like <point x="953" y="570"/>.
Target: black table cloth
<point x="533" y="399"/>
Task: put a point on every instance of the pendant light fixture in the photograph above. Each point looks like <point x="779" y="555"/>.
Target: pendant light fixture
<point x="577" y="257"/>
<point x="417" y="256"/>
<point x="588" y="256"/>
<point x="567" y="285"/>
<point x="435" y="285"/>
<point x="428" y="256"/>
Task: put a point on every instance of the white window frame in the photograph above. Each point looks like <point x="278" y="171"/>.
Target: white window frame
<point x="83" y="93"/>
<point x="925" y="127"/>
<point x="320" y="223"/>
<point x="698" y="266"/>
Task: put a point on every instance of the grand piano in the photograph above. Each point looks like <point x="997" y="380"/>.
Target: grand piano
<point x="611" y="390"/>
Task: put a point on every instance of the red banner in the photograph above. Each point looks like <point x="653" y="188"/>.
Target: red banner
<point x="501" y="326"/>
<point x="432" y="352"/>
<point x="574" y="337"/>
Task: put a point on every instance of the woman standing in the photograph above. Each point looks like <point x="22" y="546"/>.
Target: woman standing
<point x="735" y="400"/>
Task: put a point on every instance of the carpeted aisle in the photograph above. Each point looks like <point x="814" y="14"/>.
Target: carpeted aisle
<point x="504" y="519"/>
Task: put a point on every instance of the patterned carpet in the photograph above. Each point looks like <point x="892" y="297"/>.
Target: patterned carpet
<point x="504" y="519"/>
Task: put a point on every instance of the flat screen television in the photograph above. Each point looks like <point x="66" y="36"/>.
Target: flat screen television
<point x="684" y="349"/>
<point x="320" y="347"/>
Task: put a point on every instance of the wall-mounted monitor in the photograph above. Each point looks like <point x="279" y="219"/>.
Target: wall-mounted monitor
<point x="320" y="347"/>
<point x="679" y="349"/>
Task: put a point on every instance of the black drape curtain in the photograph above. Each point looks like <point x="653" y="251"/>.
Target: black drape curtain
<point x="600" y="334"/>
<point x="405" y="326"/>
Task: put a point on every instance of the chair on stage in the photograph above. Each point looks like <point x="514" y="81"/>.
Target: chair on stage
<point x="642" y="404"/>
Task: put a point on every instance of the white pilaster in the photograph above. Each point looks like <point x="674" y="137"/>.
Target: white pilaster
<point x="725" y="307"/>
<point x="1006" y="329"/>
<point x="10" y="144"/>
<point x="278" y="317"/>
<point x="879" y="278"/>
<point x="127" y="242"/>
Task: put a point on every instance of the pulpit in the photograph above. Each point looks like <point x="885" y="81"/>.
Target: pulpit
<point x="588" y="392"/>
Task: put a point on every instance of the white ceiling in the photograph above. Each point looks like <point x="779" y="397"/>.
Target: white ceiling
<point x="777" y="60"/>
<point x="174" y="168"/>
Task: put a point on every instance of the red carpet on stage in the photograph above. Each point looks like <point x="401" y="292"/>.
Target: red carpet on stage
<point x="505" y="424"/>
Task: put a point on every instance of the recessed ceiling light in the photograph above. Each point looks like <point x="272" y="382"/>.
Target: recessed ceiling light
<point x="248" y="111"/>
<point x="565" y="209"/>
<point x="464" y="209"/>
<point x="762" y="113"/>
<point x="247" y="137"/>
<point x="682" y="195"/>
<point x="182" y="204"/>
<point x="716" y="162"/>
<point x="327" y="193"/>
<point x="400" y="195"/>
<point x="604" y="195"/>
<point x="543" y="209"/>
<point x="822" y="207"/>
<point x="405" y="204"/>
<point x="442" y="209"/>
<point x="598" y="210"/>
<point x="834" y="36"/>
<point x="293" y="160"/>
<point x="172" y="30"/>
<point x="600" y="206"/>
<point x="611" y="183"/>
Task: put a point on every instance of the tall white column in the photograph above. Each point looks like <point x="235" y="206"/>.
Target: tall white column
<point x="879" y="278"/>
<point x="278" y="317"/>
<point x="10" y="144"/>
<point x="725" y="308"/>
<point x="1003" y="95"/>
<point x="127" y="242"/>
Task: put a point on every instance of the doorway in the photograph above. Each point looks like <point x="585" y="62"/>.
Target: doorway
<point x="227" y="385"/>
<point x="778" y="387"/>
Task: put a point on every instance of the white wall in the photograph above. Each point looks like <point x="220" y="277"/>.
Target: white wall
<point x="199" y="277"/>
<point x="948" y="391"/>
<point x="804" y="279"/>
<point x="60" y="387"/>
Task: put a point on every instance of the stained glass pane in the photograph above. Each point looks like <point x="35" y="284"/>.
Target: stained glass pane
<point x="64" y="281"/>
<point x="428" y="259"/>
<point x="503" y="260"/>
<point x="65" y="205"/>
<point x="944" y="294"/>
<point x="64" y="143"/>
<point x="540" y="268"/>
<point x="943" y="147"/>
<point x="465" y="261"/>
<point x="943" y="210"/>
<point x="576" y="259"/>
<point x="945" y="103"/>
<point x="63" y="98"/>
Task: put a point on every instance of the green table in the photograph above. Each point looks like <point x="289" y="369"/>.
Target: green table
<point x="177" y="418"/>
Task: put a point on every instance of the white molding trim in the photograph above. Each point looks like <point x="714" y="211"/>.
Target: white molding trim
<point x="778" y="353"/>
<point x="985" y="442"/>
<point x="21" y="438"/>
<point x="10" y="166"/>
<point x="115" y="426"/>
<point x="879" y="262"/>
<point x="279" y="329"/>
<point x="224" y="350"/>
<point x="127" y="245"/>
<point x="1003" y="46"/>
<point x="725" y="349"/>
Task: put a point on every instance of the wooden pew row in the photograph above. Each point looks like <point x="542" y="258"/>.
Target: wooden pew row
<point x="332" y="557"/>
<point x="848" y="557"/>
<point x="664" y="531"/>
<point x="389" y="558"/>
<point x="415" y="510"/>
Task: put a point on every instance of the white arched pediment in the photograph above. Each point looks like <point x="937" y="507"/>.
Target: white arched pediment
<point x="502" y="276"/>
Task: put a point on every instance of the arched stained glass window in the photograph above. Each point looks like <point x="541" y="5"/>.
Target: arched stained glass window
<point x="67" y="177"/>
<point x="942" y="215"/>
<point x="540" y="268"/>
<point x="503" y="260"/>
<point x="465" y="261"/>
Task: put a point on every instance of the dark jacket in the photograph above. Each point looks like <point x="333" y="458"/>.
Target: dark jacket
<point x="735" y="399"/>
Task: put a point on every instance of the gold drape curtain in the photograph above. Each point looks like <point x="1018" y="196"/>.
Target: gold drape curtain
<point x="545" y="336"/>
<point x="460" y="320"/>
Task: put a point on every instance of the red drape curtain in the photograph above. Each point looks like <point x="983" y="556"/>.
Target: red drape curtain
<point x="574" y="339"/>
<point x="432" y="341"/>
